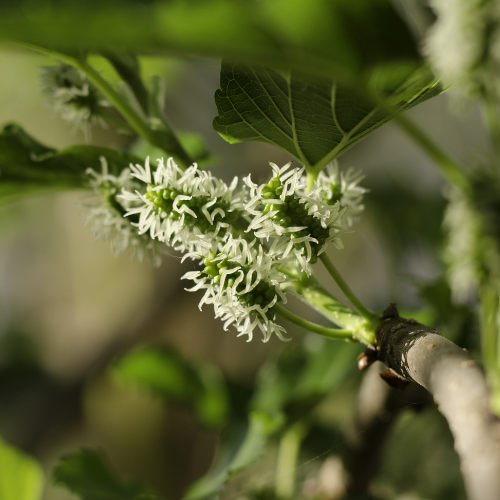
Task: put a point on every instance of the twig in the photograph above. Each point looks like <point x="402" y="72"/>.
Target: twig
<point x="458" y="386"/>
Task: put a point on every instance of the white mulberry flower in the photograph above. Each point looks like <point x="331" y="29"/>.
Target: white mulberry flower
<point x="106" y="214"/>
<point x="73" y="96"/>
<point x="185" y="209"/>
<point x="461" y="224"/>
<point x="300" y="222"/>
<point x="243" y="283"/>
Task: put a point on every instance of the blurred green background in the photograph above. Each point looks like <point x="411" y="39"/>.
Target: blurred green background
<point x="69" y="307"/>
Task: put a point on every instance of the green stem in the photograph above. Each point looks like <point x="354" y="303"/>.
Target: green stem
<point x="310" y="291"/>
<point x="451" y="171"/>
<point x="163" y="139"/>
<point x="311" y="177"/>
<point x="490" y="107"/>
<point x="362" y="310"/>
<point x="127" y="66"/>
<point x="288" y="455"/>
<point x="490" y="339"/>
<point x="118" y="124"/>
<point x="314" y="295"/>
<point x="331" y="333"/>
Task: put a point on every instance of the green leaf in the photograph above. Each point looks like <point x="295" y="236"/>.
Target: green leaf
<point x="320" y="36"/>
<point x="313" y="119"/>
<point x="164" y="373"/>
<point x="88" y="476"/>
<point x="241" y="447"/>
<point x="27" y="166"/>
<point x="21" y="477"/>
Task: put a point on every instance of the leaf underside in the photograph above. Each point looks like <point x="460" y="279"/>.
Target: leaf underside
<point x="313" y="119"/>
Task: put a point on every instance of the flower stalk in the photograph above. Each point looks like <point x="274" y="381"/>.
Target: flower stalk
<point x="362" y="310"/>
<point x="245" y="274"/>
<point x="330" y="333"/>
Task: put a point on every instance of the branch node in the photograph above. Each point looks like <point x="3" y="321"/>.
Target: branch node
<point x="391" y="378"/>
<point x="390" y="311"/>
<point x="367" y="358"/>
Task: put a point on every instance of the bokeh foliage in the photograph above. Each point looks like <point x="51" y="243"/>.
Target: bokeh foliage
<point x="311" y="78"/>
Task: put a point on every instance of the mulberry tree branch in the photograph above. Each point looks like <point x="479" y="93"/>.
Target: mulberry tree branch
<point x="457" y="383"/>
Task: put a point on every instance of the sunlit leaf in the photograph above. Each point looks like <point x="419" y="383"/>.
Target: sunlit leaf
<point x="161" y="371"/>
<point x="164" y="373"/>
<point x="88" y="475"/>
<point x="21" y="477"/>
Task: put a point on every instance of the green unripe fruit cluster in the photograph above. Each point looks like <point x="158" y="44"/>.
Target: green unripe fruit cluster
<point x="108" y="192"/>
<point x="81" y="94"/>
<point x="292" y="213"/>
<point x="262" y="294"/>
<point x="336" y="194"/>
<point x="163" y="201"/>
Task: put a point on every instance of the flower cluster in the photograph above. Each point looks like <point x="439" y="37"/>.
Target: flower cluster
<point x="228" y="232"/>
<point x="464" y="42"/>
<point x="73" y="96"/>
<point x="185" y="209"/>
<point x="460" y="253"/>
<point x="243" y="283"/>
<point x="343" y="188"/>
<point x="105" y="212"/>
<point x="301" y="222"/>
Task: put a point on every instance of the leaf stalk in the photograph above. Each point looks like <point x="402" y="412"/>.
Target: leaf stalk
<point x="451" y="171"/>
<point x="331" y="333"/>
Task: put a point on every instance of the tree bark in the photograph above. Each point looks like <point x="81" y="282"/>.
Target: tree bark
<point x="458" y="385"/>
